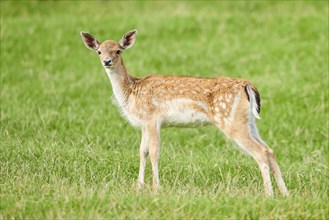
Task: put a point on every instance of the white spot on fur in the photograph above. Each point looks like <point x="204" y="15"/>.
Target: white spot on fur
<point x="223" y="105"/>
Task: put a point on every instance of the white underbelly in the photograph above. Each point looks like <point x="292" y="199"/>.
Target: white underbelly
<point x="182" y="114"/>
<point x="178" y="112"/>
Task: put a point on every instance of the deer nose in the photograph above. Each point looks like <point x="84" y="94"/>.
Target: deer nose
<point x="107" y="62"/>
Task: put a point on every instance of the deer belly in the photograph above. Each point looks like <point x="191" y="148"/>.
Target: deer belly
<point x="183" y="115"/>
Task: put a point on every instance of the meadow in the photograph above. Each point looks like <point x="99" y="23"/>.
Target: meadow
<point x="67" y="153"/>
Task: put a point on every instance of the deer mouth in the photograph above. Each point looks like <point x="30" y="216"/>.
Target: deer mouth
<point x="109" y="66"/>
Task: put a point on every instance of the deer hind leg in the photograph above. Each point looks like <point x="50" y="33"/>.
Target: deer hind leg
<point x="277" y="174"/>
<point x="240" y="134"/>
<point x="271" y="157"/>
<point x="259" y="153"/>
<point x="236" y="127"/>
<point x="241" y="127"/>
<point x="246" y="136"/>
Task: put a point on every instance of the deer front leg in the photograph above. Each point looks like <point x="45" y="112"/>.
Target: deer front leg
<point x="152" y="131"/>
<point x="143" y="152"/>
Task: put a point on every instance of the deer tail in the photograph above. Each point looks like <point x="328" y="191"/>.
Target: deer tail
<point x="254" y="99"/>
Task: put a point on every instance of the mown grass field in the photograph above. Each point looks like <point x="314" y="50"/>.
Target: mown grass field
<point x="67" y="153"/>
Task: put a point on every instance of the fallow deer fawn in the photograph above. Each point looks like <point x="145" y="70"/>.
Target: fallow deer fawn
<point x="154" y="101"/>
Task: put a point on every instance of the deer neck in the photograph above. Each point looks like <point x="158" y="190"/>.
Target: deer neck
<point x="120" y="80"/>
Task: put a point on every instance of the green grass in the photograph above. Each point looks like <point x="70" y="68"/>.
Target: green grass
<point x="67" y="153"/>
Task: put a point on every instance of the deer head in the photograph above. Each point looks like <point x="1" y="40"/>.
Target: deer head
<point x="109" y="51"/>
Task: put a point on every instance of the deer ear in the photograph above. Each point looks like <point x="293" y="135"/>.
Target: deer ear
<point x="128" y="39"/>
<point x="89" y="40"/>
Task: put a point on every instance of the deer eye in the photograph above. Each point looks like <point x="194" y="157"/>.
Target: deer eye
<point x="118" y="52"/>
<point x="99" y="52"/>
